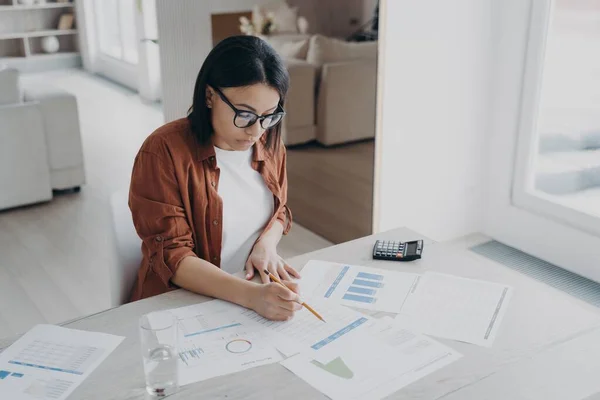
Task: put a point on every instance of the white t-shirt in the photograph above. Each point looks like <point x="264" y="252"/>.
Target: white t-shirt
<point x="247" y="206"/>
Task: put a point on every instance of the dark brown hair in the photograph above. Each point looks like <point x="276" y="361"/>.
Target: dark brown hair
<point x="237" y="61"/>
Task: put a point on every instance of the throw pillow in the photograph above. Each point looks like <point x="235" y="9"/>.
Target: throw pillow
<point x="322" y="50"/>
<point x="297" y="49"/>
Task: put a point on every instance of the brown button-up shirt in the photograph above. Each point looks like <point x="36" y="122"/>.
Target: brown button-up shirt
<point x="175" y="203"/>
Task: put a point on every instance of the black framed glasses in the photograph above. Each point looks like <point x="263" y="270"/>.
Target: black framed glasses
<point x="244" y="119"/>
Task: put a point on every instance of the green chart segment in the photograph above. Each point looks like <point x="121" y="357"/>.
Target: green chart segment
<point x="336" y="367"/>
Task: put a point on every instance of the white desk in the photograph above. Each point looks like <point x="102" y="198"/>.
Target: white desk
<point x="548" y="346"/>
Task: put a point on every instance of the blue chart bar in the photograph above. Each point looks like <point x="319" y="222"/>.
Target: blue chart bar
<point x="4" y="374"/>
<point x="68" y="371"/>
<point x="212" y="330"/>
<point x="366" y="275"/>
<point x="336" y="282"/>
<point x="361" y="282"/>
<point x="361" y="290"/>
<point x="360" y="299"/>
<point x="190" y="354"/>
<point x="339" y="333"/>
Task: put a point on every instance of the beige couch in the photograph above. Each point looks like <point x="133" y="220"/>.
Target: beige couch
<point x="340" y="99"/>
<point x="299" y="122"/>
<point x="40" y="143"/>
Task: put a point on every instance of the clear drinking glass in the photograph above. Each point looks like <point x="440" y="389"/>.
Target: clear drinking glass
<point x="158" y="337"/>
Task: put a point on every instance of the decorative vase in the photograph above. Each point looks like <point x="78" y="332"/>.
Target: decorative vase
<point x="302" y="25"/>
<point x="50" y="44"/>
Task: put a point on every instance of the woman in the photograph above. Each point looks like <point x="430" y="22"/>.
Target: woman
<point x="208" y="192"/>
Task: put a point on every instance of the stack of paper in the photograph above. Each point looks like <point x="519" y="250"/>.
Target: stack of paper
<point x="435" y="304"/>
<point x="350" y="356"/>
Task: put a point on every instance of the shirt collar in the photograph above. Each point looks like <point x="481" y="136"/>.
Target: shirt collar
<point x="207" y="151"/>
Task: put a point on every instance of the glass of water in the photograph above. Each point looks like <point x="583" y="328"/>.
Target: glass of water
<point x="158" y="337"/>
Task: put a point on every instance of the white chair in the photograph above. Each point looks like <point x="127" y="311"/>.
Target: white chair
<point x="40" y="143"/>
<point x="128" y="250"/>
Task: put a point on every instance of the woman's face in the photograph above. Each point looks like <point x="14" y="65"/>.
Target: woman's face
<point x="258" y="98"/>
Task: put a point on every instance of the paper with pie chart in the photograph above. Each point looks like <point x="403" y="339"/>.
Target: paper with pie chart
<point x="215" y="340"/>
<point x="355" y="286"/>
<point x="371" y="363"/>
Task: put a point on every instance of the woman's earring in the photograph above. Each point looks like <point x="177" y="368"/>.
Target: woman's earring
<point x="209" y="98"/>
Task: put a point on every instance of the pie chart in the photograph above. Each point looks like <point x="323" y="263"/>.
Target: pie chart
<point x="238" y="346"/>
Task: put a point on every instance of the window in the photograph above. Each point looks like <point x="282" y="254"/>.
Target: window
<point x="544" y="175"/>
<point x="116" y="29"/>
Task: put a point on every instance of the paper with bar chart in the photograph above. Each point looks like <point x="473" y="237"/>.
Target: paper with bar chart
<point x="356" y="286"/>
<point x="216" y="339"/>
<point x="386" y="359"/>
<point x="49" y="362"/>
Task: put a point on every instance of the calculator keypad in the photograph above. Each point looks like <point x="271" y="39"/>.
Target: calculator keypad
<point x="389" y="249"/>
<point x="397" y="251"/>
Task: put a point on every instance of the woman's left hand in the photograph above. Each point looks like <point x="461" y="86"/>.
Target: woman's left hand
<point x="264" y="256"/>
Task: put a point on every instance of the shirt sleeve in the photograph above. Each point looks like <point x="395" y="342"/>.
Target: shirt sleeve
<point x="158" y="214"/>
<point x="285" y="214"/>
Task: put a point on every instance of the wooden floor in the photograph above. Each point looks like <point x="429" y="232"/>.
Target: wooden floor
<point x="331" y="189"/>
<point x="55" y="257"/>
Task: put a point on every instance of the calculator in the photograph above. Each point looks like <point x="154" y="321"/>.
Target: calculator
<point x="397" y="251"/>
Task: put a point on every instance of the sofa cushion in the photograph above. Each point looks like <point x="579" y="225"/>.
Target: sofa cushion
<point x="296" y="49"/>
<point x="323" y="50"/>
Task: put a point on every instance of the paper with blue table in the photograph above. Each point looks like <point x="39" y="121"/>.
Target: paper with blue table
<point x="49" y="362"/>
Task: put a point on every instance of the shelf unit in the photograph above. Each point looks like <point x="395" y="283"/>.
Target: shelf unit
<point x="9" y="6"/>
<point x="22" y="28"/>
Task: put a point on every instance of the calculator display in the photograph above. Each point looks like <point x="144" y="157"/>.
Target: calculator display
<point x="411" y="248"/>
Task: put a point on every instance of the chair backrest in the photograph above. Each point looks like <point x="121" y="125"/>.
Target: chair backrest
<point x="10" y="91"/>
<point x="128" y="250"/>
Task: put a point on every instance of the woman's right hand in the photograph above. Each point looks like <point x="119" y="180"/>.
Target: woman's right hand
<point x="275" y="302"/>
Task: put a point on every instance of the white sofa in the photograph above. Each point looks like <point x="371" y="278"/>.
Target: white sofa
<point x="40" y="142"/>
<point x="342" y="95"/>
<point x="299" y="123"/>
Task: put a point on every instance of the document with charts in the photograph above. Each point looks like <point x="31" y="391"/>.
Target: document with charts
<point x="372" y="362"/>
<point x="49" y="362"/>
<point x="356" y="286"/>
<point x="216" y="339"/>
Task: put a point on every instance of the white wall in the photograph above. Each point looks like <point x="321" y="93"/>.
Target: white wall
<point x="434" y="99"/>
<point x="185" y="38"/>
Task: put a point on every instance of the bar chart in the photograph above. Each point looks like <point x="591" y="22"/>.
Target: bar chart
<point x="357" y="286"/>
<point x="364" y="287"/>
